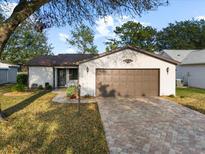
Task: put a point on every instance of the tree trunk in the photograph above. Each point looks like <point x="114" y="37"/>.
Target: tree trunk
<point x="1" y="114"/>
<point x="21" y="12"/>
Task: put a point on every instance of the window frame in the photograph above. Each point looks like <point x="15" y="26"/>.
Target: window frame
<point x="73" y="73"/>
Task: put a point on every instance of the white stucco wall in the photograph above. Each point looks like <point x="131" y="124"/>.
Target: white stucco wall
<point x="193" y="75"/>
<point x="40" y="75"/>
<point x="87" y="80"/>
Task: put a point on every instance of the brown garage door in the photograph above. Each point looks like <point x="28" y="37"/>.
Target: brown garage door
<point x="127" y="82"/>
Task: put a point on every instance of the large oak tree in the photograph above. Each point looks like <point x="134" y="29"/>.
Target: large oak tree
<point x="60" y="12"/>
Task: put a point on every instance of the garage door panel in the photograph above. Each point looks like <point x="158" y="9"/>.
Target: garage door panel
<point x="127" y="83"/>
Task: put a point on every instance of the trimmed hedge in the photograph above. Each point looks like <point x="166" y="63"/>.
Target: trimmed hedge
<point x="22" y="79"/>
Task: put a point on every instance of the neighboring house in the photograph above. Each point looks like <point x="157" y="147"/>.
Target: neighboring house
<point x="191" y="68"/>
<point x="8" y="73"/>
<point x="126" y="71"/>
<point x="177" y="55"/>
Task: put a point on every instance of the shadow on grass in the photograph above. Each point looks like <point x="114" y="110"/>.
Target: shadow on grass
<point x="195" y="108"/>
<point x="57" y="129"/>
<point x="74" y="133"/>
<point x="22" y="104"/>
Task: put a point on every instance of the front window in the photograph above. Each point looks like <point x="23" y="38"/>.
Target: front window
<point x="73" y="74"/>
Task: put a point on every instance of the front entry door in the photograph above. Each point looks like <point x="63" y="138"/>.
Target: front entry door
<point x="61" y="77"/>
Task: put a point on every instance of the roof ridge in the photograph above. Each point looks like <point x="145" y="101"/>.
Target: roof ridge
<point x="76" y="54"/>
<point x="137" y="49"/>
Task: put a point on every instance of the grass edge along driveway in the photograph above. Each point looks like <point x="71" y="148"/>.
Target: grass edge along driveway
<point x="193" y="98"/>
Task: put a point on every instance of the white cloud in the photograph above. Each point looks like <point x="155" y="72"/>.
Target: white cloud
<point x="7" y="8"/>
<point x="105" y="26"/>
<point x="70" y="50"/>
<point x="63" y="37"/>
<point x="200" y="18"/>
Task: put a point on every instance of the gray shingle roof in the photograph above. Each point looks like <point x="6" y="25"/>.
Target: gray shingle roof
<point x="195" y="57"/>
<point x="58" y="60"/>
<point x="178" y="55"/>
<point x="75" y="59"/>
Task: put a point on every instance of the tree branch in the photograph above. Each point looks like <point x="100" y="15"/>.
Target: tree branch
<point x="21" y="12"/>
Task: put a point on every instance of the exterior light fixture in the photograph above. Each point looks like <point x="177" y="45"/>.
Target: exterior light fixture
<point x="167" y="70"/>
<point x="87" y="69"/>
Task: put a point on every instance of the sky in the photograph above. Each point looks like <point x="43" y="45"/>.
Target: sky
<point x="177" y="10"/>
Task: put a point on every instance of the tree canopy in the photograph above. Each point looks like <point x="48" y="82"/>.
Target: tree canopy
<point x="83" y="39"/>
<point x="188" y="34"/>
<point x="134" y="34"/>
<point x="24" y="44"/>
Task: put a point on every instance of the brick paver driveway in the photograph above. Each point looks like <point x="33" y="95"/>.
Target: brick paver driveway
<point x="149" y="125"/>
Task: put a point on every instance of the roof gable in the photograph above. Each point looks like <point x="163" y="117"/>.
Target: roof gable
<point x="133" y="49"/>
<point x="195" y="57"/>
<point x="178" y="55"/>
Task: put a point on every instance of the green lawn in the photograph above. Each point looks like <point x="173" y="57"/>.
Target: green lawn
<point x="193" y="98"/>
<point x="41" y="126"/>
<point x="8" y="101"/>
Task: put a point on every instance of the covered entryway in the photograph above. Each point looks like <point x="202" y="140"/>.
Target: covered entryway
<point x="127" y="82"/>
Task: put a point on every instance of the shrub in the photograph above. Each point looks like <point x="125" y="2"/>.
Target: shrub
<point x="182" y="96"/>
<point x="18" y="87"/>
<point x="22" y="79"/>
<point x="48" y="86"/>
<point x="71" y="90"/>
<point x="40" y="87"/>
<point x="172" y="96"/>
<point x="34" y="85"/>
<point x="87" y="96"/>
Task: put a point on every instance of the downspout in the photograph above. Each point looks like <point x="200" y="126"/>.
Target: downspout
<point x="28" y="77"/>
<point x="7" y="76"/>
<point x="79" y="86"/>
<point x="54" y="78"/>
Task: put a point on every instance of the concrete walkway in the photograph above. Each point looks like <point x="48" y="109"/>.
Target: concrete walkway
<point x="62" y="98"/>
<point x="148" y="125"/>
